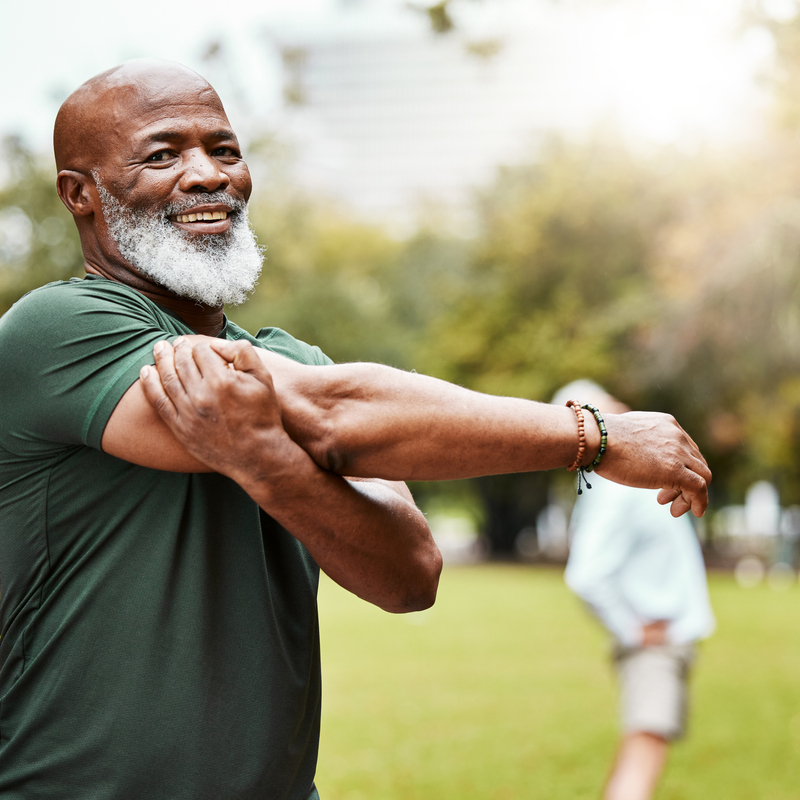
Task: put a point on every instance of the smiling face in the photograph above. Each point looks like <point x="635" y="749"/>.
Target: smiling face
<point x="158" y="159"/>
<point x="172" y="146"/>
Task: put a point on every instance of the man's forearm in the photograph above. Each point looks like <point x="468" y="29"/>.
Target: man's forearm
<point x="374" y="421"/>
<point x="368" y="536"/>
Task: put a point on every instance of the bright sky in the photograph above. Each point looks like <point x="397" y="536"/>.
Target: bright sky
<point x="51" y="46"/>
<point x="690" y="74"/>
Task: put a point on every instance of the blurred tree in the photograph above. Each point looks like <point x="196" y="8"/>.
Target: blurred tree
<point x="348" y="286"/>
<point x="559" y="285"/>
<point x="438" y="16"/>
<point x="725" y="355"/>
<point x="558" y="289"/>
<point x="784" y="77"/>
<point x="38" y="240"/>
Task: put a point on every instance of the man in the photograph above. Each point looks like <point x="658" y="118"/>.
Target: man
<point x="162" y="534"/>
<point x="642" y="574"/>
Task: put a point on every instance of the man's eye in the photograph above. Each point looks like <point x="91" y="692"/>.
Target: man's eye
<point x="225" y="152"/>
<point x="161" y="155"/>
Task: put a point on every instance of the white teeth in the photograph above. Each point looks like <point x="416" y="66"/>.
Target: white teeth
<point x="203" y="216"/>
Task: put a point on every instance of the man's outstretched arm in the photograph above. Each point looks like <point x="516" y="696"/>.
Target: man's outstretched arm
<point x="372" y="420"/>
<point x="369" y="420"/>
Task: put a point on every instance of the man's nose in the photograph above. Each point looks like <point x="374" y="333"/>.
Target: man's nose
<point x="202" y="173"/>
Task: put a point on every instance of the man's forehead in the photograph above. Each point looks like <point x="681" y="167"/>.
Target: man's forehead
<point x="117" y="105"/>
<point x="149" y="104"/>
<point x="168" y="121"/>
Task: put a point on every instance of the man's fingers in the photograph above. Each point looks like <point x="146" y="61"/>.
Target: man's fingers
<point x="154" y="392"/>
<point x="241" y="354"/>
<point x="693" y="493"/>
<point x="244" y="360"/>
<point x="666" y="496"/>
<point x="210" y="363"/>
<point x="680" y="505"/>
<point x="247" y="360"/>
<point x="226" y="349"/>
<point x="185" y="367"/>
<point x="164" y="354"/>
<point x="243" y="357"/>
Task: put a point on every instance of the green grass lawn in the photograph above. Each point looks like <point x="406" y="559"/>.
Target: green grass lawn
<point x="503" y="690"/>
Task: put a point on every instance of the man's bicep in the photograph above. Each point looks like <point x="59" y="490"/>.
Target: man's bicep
<point x="134" y="432"/>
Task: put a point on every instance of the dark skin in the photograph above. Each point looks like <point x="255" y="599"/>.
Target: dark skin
<point x="211" y="405"/>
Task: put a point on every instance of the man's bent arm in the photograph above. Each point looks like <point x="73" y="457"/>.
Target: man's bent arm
<point x="367" y="535"/>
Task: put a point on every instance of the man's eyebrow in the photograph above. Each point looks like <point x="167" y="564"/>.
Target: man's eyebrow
<point x="171" y="136"/>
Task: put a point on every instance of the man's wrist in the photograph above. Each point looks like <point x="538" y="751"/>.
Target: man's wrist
<point x="276" y="471"/>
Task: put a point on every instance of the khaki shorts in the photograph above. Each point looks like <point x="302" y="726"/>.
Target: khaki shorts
<point x="653" y="688"/>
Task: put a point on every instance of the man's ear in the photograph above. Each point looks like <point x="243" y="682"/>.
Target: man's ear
<point x="74" y="189"/>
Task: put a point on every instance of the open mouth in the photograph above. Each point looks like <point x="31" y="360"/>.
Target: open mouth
<point x="202" y="216"/>
<point x="204" y="220"/>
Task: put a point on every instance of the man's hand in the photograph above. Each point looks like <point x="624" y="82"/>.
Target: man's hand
<point x="225" y="415"/>
<point x="652" y="451"/>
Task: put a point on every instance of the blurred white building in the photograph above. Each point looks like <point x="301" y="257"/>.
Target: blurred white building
<point x="395" y="120"/>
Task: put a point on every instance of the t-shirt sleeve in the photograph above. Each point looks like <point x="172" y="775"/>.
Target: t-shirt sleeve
<point x="68" y="353"/>
<point x="284" y="344"/>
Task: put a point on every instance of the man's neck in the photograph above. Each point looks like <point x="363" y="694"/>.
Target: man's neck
<point x="203" y="319"/>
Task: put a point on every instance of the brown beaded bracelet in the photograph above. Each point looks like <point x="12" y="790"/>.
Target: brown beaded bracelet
<point x="576" y="407"/>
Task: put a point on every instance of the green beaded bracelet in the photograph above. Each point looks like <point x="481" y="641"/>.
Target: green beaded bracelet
<point x="603" y="437"/>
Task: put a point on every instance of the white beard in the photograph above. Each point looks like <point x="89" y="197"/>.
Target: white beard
<point x="216" y="269"/>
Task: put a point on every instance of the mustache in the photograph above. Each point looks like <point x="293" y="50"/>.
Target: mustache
<point x="216" y="198"/>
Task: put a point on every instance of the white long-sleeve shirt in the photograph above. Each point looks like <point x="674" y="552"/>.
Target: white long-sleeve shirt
<point x="632" y="562"/>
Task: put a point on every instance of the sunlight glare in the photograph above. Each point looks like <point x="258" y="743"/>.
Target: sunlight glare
<point x="669" y="71"/>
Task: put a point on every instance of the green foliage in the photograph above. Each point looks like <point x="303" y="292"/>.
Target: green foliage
<point x="503" y="690"/>
<point x="346" y="286"/>
<point x="559" y="286"/>
<point x="38" y="240"/>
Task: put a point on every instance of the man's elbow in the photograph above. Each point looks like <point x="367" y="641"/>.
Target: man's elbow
<point x="323" y="441"/>
<point x="419" y="585"/>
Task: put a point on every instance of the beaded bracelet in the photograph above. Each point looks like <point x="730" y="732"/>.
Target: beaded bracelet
<point x="576" y="407"/>
<point x="603" y="437"/>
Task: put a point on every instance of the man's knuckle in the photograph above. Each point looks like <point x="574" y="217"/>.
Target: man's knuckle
<point x="169" y="380"/>
<point x="164" y="407"/>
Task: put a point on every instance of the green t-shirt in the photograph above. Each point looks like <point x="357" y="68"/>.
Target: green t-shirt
<point x="159" y="632"/>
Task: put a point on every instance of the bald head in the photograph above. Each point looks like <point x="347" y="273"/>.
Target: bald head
<point x="146" y="154"/>
<point x="99" y="112"/>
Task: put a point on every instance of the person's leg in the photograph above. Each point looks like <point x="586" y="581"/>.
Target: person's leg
<point x="637" y="768"/>
<point x="653" y="700"/>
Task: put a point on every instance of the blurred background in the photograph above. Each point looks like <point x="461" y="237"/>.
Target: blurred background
<point x="508" y="194"/>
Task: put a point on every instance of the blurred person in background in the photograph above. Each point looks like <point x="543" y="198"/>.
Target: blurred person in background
<point x="641" y="572"/>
